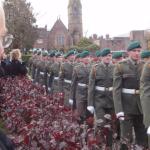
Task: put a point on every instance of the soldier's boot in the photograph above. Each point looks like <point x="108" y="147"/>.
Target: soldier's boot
<point x="109" y="140"/>
<point x="123" y="147"/>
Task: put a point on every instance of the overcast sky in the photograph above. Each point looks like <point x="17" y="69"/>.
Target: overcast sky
<point x="115" y="17"/>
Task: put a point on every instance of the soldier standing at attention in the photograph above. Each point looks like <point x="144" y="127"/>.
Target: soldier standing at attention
<point x="31" y="59"/>
<point x="54" y="75"/>
<point x="49" y="77"/>
<point x="79" y="85"/>
<point x="127" y="99"/>
<point x="117" y="56"/>
<point x="65" y="75"/>
<point x="35" y="66"/>
<point x="145" y="91"/>
<point x="100" y="90"/>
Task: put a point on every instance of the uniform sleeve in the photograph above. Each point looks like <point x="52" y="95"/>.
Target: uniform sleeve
<point x="117" y="89"/>
<point x="73" y="87"/>
<point x="145" y="94"/>
<point x="61" y="78"/>
<point x="145" y="82"/>
<point x="91" y="87"/>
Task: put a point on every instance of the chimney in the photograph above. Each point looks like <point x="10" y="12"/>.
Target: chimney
<point x="107" y="36"/>
<point x="46" y="27"/>
<point x="94" y="36"/>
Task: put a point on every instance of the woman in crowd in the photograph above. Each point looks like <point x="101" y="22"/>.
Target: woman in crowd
<point x="17" y="67"/>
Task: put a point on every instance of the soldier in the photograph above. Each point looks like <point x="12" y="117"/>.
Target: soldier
<point x="145" y="90"/>
<point x="127" y="99"/>
<point x="100" y="90"/>
<point x="34" y="68"/>
<point x="48" y="68"/>
<point x="30" y="61"/>
<point x="145" y="56"/>
<point x="54" y="75"/>
<point x="79" y="85"/>
<point x="65" y="75"/>
<point x="117" y="56"/>
<point x="42" y="69"/>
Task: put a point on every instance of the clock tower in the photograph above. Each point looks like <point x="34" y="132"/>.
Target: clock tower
<point x="75" y="20"/>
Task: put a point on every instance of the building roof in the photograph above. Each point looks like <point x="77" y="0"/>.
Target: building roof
<point x="59" y="25"/>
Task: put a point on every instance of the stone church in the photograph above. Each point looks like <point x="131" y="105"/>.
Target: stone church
<point x="61" y="37"/>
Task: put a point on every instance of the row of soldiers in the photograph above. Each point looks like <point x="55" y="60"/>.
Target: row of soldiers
<point x="105" y="84"/>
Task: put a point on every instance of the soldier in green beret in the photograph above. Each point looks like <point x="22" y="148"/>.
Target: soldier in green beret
<point x="145" y="90"/>
<point x="37" y="62"/>
<point x="79" y="85"/>
<point x="117" y="56"/>
<point x="31" y="60"/>
<point x="41" y="72"/>
<point x="126" y="97"/>
<point x="54" y="76"/>
<point x="65" y="75"/>
<point x="145" y="54"/>
<point x="51" y="61"/>
<point x="100" y="90"/>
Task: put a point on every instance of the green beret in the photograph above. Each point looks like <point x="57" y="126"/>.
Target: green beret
<point x="34" y="51"/>
<point x="98" y="53"/>
<point x="134" y="44"/>
<point x="116" y="55"/>
<point x="57" y="54"/>
<point x="52" y="54"/>
<point x="105" y="52"/>
<point x="39" y="52"/>
<point x="145" y="54"/>
<point x="69" y="53"/>
<point x="44" y="53"/>
<point x="84" y="53"/>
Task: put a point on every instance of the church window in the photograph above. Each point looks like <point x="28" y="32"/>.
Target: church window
<point x="60" y="40"/>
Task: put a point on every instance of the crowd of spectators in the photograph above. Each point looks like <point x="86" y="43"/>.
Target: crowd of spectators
<point x="12" y="64"/>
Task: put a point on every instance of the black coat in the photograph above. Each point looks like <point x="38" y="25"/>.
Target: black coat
<point x="6" y="66"/>
<point x="17" y="68"/>
<point x="2" y="72"/>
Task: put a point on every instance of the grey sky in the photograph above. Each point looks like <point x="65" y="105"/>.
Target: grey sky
<point x="99" y="16"/>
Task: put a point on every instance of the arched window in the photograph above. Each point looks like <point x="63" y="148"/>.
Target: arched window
<point x="60" y="40"/>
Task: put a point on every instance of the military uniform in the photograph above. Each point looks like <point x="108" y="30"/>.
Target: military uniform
<point x="54" y="77"/>
<point x="100" y="89"/>
<point x="144" y="92"/>
<point x="127" y="100"/>
<point x="79" y="86"/>
<point x="33" y="67"/>
<point x="65" y="77"/>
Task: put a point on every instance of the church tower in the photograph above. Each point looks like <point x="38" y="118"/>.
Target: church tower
<point x="75" y="20"/>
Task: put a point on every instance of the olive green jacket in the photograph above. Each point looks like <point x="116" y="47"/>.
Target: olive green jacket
<point x="127" y="76"/>
<point x="145" y="93"/>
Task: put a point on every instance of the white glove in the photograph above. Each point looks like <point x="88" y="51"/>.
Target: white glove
<point x="90" y="109"/>
<point x="71" y="102"/>
<point x="148" y="131"/>
<point x="120" y="115"/>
